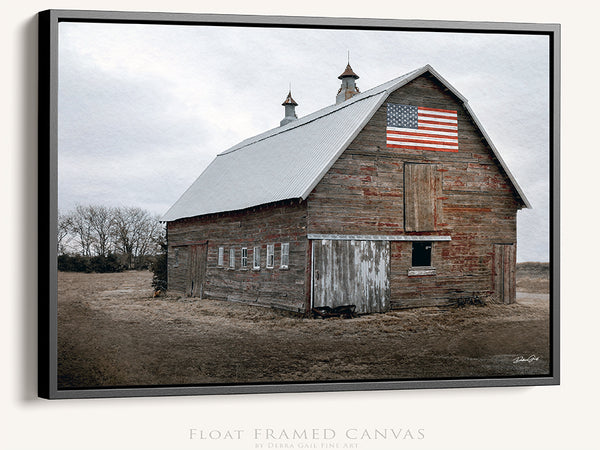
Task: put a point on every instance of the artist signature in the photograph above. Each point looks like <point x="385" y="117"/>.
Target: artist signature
<point x="520" y="359"/>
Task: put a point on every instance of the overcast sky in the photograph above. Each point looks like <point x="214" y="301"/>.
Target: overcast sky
<point x="143" y="109"/>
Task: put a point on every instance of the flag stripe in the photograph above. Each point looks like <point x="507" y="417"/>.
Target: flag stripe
<point x="420" y="139"/>
<point x="436" y="118"/>
<point x="415" y="132"/>
<point x="396" y="137"/>
<point x="425" y="143"/>
<point x="427" y="123"/>
<point x="437" y="110"/>
<point x="445" y="129"/>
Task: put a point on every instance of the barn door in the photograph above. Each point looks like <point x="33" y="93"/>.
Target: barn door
<point x="505" y="273"/>
<point x="351" y="273"/>
<point x="196" y="270"/>
<point x="422" y="191"/>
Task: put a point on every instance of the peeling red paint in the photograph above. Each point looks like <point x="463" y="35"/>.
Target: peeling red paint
<point x="467" y="209"/>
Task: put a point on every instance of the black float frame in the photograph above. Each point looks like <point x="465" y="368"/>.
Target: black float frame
<point x="48" y="195"/>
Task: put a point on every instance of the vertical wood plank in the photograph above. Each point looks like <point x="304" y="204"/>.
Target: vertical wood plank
<point x="307" y="277"/>
<point x="352" y="273"/>
<point x="427" y="199"/>
<point x="506" y="274"/>
<point x="438" y="216"/>
<point x="202" y="260"/>
<point x="196" y="270"/>
<point x="513" y="273"/>
<point x="498" y="281"/>
<point x="409" y="197"/>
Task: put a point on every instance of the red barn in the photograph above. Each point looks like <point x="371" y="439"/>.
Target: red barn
<point x="391" y="198"/>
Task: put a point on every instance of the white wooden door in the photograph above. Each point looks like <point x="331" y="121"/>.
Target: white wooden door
<point x="349" y="272"/>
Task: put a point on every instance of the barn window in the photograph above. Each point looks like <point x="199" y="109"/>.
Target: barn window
<point x="221" y="255"/>
<point x="256" y="258"/>
<point x="232" y="258"/>
<point x="422" y="188"/>
<point x="270" y="255"/>
<point x="244" y="260"/>
<point x="421" y="254"/>
<point x="285" y="255"/>
<point x="421" y="259"/>
<point x="176" y="264"/>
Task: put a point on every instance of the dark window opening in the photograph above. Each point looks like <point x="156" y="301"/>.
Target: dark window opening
<point x="421" y="254"/>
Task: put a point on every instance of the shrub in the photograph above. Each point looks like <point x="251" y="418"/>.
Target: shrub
<point x="73" y="263"/>
<point x="105" y="264"/>
<point x="88" y="264"/>
<point x="159" y="267"/>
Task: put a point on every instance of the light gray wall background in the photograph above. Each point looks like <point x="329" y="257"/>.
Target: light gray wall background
<point x="535" y="418"/>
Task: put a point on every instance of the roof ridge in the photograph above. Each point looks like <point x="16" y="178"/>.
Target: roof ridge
<point x="319" y="113"/>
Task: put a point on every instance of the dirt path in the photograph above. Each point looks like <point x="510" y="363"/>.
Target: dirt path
<point x="113" y="333"/>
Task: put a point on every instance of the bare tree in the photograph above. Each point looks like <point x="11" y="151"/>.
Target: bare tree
<point x="145" y="238"/>
<point x="101" y="222"/>
<point x="82" y="229"/>
<point x="135" y="234"/>
<point x="98" y="230"/>
<point x="65" y="225"/>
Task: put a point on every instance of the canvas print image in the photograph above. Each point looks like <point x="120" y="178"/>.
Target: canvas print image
<point x="247" y="205"/>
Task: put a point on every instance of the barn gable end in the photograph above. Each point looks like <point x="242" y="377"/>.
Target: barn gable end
<point x="367" y="193"/>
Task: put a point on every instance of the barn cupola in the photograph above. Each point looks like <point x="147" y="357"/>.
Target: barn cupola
<point x="290" y="109"/>
<point x="348" y="89"/>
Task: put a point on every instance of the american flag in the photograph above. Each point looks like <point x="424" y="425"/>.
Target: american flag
<point x="420" y="128"/>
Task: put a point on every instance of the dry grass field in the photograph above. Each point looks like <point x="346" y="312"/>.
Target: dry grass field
<point x="111" y="332"/>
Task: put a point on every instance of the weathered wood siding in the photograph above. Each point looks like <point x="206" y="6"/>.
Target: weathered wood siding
<point x="196" y="269"/>
<point x="504" y="273"/>
<point x="363" y="194"/>
<point x="352" y="273"/>
<point x="273" y="224"/>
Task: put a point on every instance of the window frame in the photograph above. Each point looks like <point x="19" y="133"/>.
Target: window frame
<point x="285" y="256"/>
<point x="221" y="257"/>
<point x="232" y="258"/>
<point x="270" y="263"/>
<point x="425" y="249"/>
<point x="422" y="270"/>
<point x="256" y="257"/>
<point x="244" y="258"/>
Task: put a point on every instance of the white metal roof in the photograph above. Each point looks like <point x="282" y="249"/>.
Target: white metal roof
<point x="287" y="162"/>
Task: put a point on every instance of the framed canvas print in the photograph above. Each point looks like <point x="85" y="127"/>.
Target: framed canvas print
<point x="245" y="204"/>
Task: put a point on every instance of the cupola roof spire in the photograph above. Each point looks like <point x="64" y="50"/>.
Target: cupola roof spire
<point x="348" y="73"/>
<point x="348" y="89"/>
<point x="290" y="109"/>
<point x="289" y="100"/>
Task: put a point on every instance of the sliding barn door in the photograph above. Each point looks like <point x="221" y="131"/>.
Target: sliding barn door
<point x="351" y="273"/>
